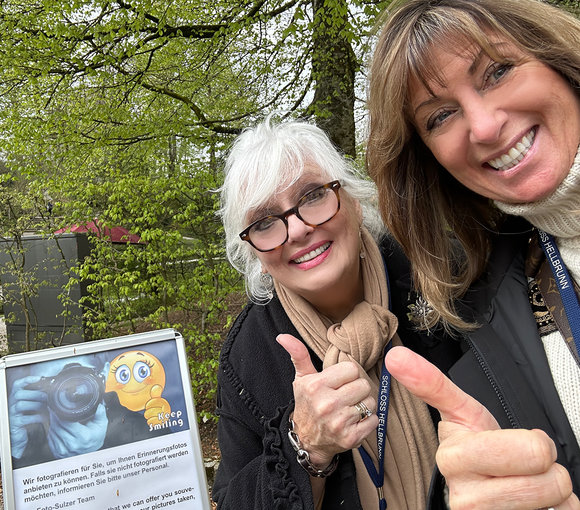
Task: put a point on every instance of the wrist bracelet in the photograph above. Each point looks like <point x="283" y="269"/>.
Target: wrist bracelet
<point x="303" y="457"/>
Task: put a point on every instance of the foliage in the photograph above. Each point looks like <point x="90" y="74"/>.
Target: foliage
<point x="121" y="111"/>
<point x="21" y="210"/>
<point x="570" y="5"/>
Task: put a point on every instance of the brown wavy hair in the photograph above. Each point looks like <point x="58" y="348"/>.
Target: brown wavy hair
<point x="443" y="227"/>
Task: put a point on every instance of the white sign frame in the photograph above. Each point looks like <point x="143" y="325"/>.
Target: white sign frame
<point x="147" y="473"/>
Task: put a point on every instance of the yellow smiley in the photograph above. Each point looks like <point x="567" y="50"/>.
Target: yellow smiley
<point x="134" y="376"/>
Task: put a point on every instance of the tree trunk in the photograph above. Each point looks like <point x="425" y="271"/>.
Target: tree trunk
<point x="333" y="69"/>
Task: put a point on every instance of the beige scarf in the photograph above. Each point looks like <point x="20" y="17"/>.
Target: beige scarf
<point x="361" y="337"/>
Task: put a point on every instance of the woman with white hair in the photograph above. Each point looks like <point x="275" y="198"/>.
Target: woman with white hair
<point x="302" y="383"/>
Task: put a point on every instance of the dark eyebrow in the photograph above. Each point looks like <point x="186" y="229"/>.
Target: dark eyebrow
<point x="260" y="213"/>
<point x="431" y="100"/>
<point x="306" y="188"/>
<point x="472" y="69"/>
<point x="268" y="210"/>
<point x="475" y="64"/>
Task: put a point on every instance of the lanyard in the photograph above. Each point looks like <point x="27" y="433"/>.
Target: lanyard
<point x="378" y="477"/>
<point x="565" y="284"/>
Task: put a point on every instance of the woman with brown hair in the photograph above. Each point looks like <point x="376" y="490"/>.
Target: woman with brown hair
<point x="474" y="134"/>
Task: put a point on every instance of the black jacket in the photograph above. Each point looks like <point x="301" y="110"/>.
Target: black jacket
<point x="258" y="469"/>
<point x="504" y="365"/>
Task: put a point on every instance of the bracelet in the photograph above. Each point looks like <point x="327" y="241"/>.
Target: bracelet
<point x="303" y="457"/>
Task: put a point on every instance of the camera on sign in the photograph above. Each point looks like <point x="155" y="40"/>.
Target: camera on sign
<point x="74" y="394"/>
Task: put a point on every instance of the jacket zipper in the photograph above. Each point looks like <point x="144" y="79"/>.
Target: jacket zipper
<point x="514" y="422"/>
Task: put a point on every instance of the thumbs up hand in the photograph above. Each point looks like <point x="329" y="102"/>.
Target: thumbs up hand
<point x="324" y="417"/>
<point x="157" y="408"/>
<point x="484" y="466"/>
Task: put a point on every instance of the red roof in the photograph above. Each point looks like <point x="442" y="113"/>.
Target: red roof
<point x="114" y="234"/>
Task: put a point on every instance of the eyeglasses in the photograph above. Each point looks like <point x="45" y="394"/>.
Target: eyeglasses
<point x="313" y="209"/>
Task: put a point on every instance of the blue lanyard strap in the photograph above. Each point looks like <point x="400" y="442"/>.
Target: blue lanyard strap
<point x="565" y="285"/>
<point x="378" y="476"/>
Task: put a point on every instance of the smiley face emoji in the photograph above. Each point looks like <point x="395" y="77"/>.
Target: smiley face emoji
<point x="136" y="376"/>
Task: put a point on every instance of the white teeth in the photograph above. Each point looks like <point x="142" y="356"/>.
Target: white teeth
<point x="515" y="154"/>
<point x="312" y="254"/>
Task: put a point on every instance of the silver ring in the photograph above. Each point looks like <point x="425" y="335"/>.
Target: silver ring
<point x="364" y="411"/>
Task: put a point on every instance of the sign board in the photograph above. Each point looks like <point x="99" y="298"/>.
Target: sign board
<point x="102" y="425"/>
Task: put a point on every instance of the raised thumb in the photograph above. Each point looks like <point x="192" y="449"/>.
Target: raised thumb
<point x="298" y="354"/>
<point x="427" y="382"/>
<point x="156" y="391"/>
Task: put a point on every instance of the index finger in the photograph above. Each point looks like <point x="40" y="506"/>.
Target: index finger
<point x="427" y="382"/>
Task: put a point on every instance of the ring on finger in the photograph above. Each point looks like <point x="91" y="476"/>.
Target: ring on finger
<point x="363" y="410"/>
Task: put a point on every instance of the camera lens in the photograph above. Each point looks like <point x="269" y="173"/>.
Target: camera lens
<point x="75" y="393"/>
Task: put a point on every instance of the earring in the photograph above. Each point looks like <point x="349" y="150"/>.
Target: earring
<point x="362" y="250"/>
<point x="265" y="278"/>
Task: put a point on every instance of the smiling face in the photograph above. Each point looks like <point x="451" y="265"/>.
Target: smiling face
<point x="508" y="131"/>
<point x="321" y="264"/>
<point x="132" y="376"/>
